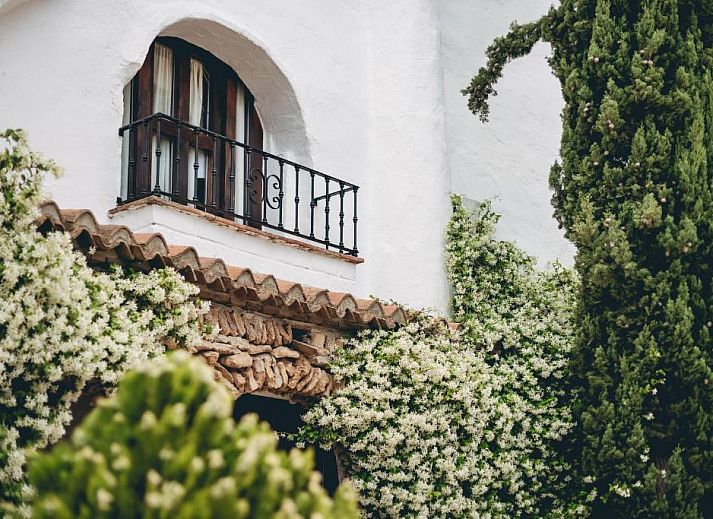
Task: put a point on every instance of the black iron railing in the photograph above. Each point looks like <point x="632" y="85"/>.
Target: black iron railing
<point x="172" y="159"/>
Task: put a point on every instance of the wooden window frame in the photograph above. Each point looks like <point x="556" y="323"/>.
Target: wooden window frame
<point x="221" y="114"/>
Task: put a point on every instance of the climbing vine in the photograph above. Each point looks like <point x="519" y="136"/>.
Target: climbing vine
<point x="63" y="324"/>
<point x="433" y="423"/>
<point x="523" y="318"/>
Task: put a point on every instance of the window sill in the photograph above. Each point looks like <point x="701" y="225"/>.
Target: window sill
<point x="234" y="226"/>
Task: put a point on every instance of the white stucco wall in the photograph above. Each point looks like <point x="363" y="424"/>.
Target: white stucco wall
<point x="364" y="90"/>
<point x="407" y="204"/>
<point x="241" y="249"/>
<point x="508" y="158"/>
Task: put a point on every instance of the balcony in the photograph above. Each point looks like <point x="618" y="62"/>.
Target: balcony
<point x="192" y="166"/>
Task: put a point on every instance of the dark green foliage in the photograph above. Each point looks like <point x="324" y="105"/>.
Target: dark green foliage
<point x="165" y="445"/>
<point x="634" y="192"/>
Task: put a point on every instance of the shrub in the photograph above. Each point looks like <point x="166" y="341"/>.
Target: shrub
<point x="63" y="324"/>
<point x="165" y="445"/>
<point x="436" y="424"/>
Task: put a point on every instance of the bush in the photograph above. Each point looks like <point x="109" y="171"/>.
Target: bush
<point x="165" y="445"/>
<point x="63" y="324"/>
<point x="437" y="424"/>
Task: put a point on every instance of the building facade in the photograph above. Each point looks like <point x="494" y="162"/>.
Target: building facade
<point x="314" y="141"/>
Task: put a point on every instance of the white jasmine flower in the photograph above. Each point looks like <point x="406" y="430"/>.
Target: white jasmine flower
<point x="104" y="499"/>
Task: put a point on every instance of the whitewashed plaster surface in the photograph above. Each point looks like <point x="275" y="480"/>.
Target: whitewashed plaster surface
<point x="364" y="90"/>
<point x="240" y="249"/>
<point x="507" y="159"/>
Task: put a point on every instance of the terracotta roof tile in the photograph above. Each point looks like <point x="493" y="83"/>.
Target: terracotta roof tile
<point x="150" y="250"/>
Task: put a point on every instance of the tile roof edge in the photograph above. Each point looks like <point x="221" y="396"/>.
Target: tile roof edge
<point x="235" y="226"/>
<point x="152" y="249"/>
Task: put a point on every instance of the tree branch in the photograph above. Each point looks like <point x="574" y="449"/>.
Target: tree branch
<point x="515" y="44"/>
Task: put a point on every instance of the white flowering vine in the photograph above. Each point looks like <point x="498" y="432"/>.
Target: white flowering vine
<point x="429" y="423"/>
<point x="63" y="324"/>
<point x="525" y="316"/>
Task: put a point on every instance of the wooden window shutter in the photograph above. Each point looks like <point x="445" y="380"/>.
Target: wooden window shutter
<point x="143" y="93"/>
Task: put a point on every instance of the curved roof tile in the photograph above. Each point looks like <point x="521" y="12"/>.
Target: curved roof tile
<point x="151" y="249"/>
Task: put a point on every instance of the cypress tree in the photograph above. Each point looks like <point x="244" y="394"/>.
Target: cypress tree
<point x="634" y="192"/>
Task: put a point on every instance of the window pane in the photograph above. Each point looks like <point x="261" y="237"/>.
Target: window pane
<point x="206" y="100"/>
<point x="240" y="152"/>
<point x="126" y="141"/>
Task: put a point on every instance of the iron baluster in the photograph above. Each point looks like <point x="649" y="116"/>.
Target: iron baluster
<point x="131" y="181"/>
<point x="248" y="183"/>
<point x="157" y="187"/>
<point x="145" y="157"/>
<point x="326" y="211"/>
<point x="264" y="188"/>
<point x="195" y="169"/>
<point x="176" y="162"/>
<point x="214" y="176"/>
<point x="297" y="199"/>
<point x="312" y="205"/>
<point x="341" y="216"/>
<point x="281" y="194"/>
<point x="355" y="251"/>
<point x="231" y="183"/>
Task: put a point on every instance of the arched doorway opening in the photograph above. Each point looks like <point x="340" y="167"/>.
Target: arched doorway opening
<point x="286" y="417"/>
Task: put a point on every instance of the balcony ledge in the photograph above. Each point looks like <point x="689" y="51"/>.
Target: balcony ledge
<point x="235" y="226"/>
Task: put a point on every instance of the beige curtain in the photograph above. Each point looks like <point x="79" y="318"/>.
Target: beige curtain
<point x="240" y="152"/>
<point x="195" y="108"/>
<point x="162" y="79"/>
<point x="195" y="112"/>
<point x="162" y="103"/>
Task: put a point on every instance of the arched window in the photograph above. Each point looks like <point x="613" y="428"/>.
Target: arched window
<point x="192" y="135"/>
<point x="184" y="107"/>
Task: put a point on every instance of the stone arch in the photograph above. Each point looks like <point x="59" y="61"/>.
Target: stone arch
<point x="274" y="367"/>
